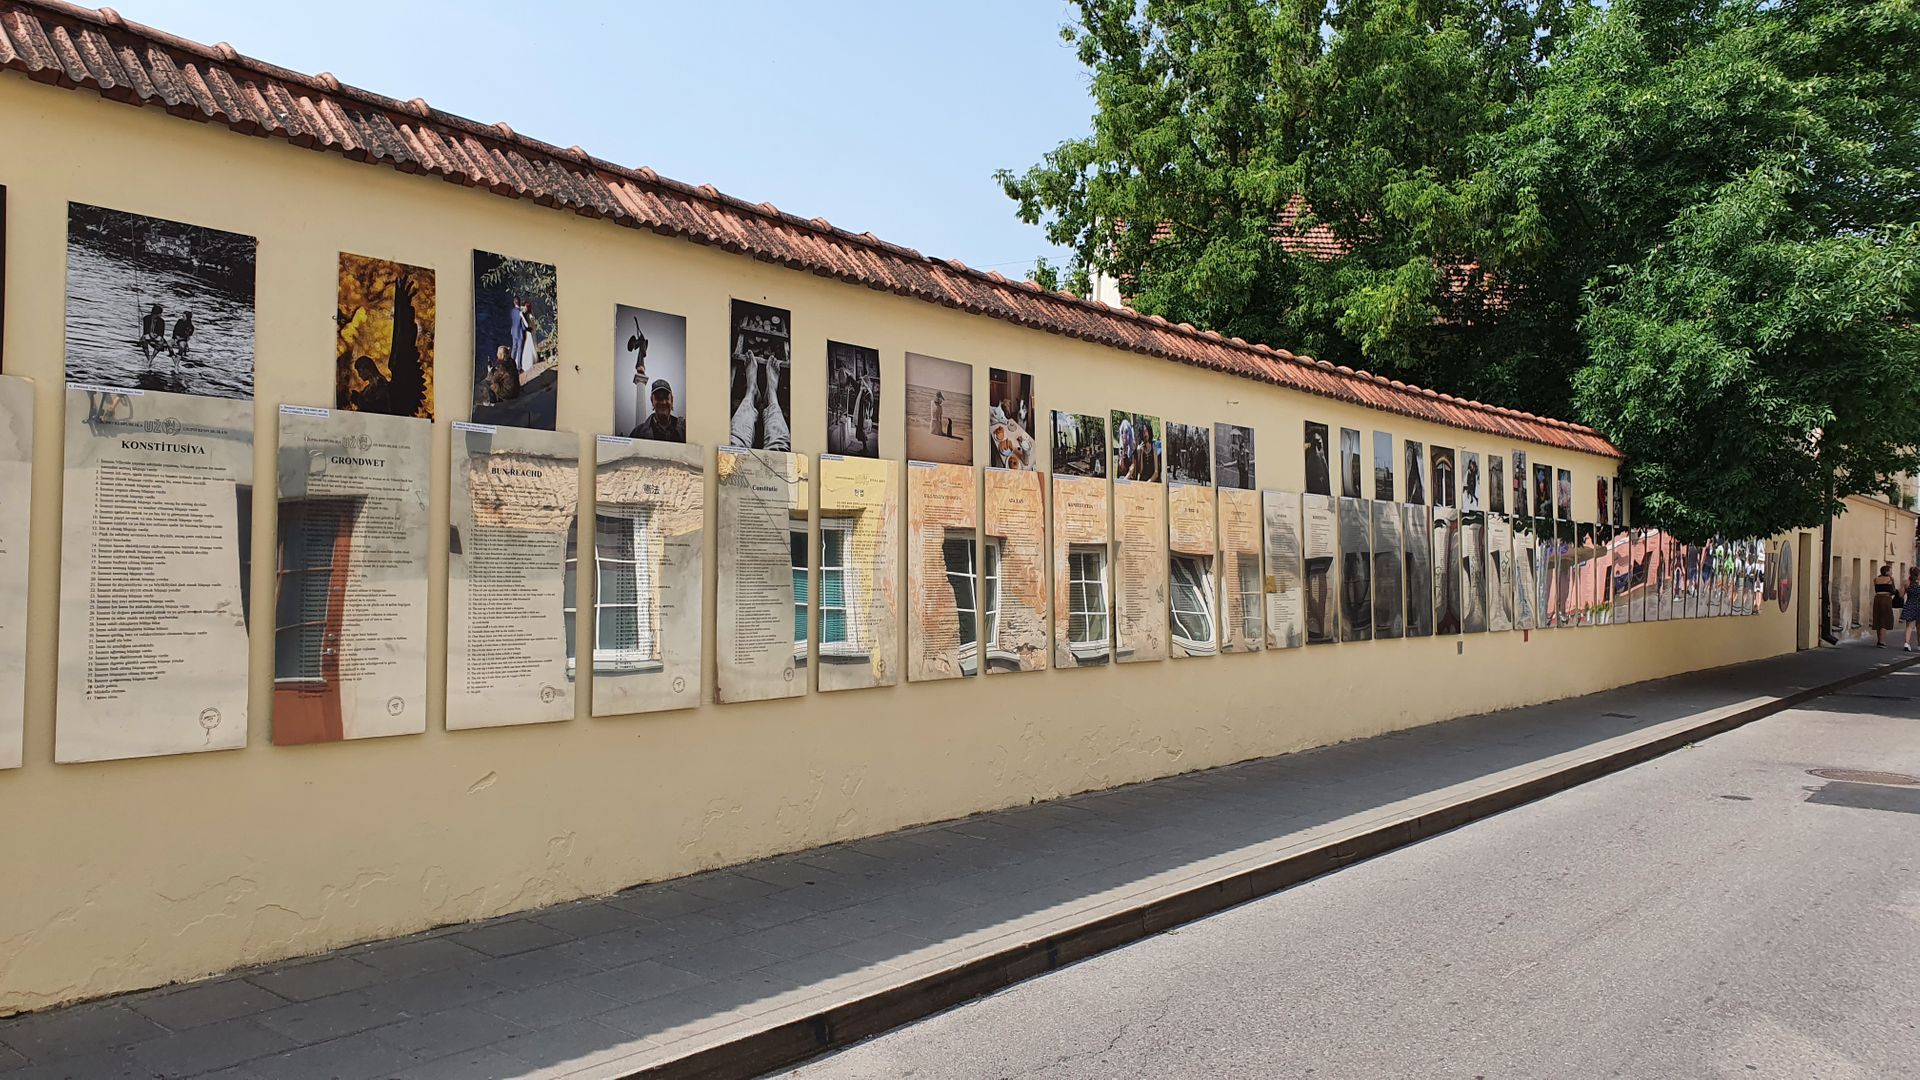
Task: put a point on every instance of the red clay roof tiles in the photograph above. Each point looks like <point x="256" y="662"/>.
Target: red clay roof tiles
<point x="78" y="48"/>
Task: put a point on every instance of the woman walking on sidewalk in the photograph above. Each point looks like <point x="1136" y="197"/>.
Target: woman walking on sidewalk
<point x="1910" y="610"/>
<point x="1883" y="593"/>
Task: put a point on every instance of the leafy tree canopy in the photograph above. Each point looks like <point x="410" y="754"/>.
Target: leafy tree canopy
<point x="1694" y="225"/>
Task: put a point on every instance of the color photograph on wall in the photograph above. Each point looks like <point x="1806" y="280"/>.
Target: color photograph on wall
<point x="1383" y="466"/>
<point x="1416" y="470"/>
<point x="1470" y="480"/>
<point x="760" y="377"/>
<point x="1010" y="420"/>
<point x="939" y="410"/>
<point x="853" y="400"/>
<point x="1418" y="574"/>
<point x="1079" y="444"/>
<point x="1443" y="478"/>
<point x="1496" y="483"/>
<point x="1542" y="490"/>
<point x="1320" y="548"/>
<point x="649" y="374"/>
<point x="1319" y="466"/>
<point x="1233" y="456"/>
<point x="1189" y="454"/>
<point x="1520" y="484"/>
<point x="1563" y="494"/>
<point x="516" y="342"/>
<point x="158" y="304"/>
<point x="384" y="319"/>
<point x="1137" y="447"/>
<point x="1350" y="485"/>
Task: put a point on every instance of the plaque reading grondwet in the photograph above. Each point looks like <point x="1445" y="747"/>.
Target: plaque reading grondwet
<point x="945" y="585"/>
<point x="1286" y="611"/>
<point x="1082" y="598"/>
<point x="350" y="603"/>
<point x="1242" y="591"/>
<point x="154" y="563"/>
<point x="1014" y="519"/>
<point x="649" y="552"/>
<point x="510" y="576"/>
<point x="760" y="625"/>
<point x="859" y="620"/>
<point x="1139" y="570"/>
<point x="16" y="490"/>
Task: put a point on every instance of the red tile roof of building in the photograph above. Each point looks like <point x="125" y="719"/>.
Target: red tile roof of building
<point x="76" y="47"/>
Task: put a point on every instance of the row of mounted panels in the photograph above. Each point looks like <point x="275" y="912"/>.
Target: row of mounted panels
<point x="157" y="566"/>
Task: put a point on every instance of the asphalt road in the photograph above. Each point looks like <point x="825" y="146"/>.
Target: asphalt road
<point x="1718" y="912"/>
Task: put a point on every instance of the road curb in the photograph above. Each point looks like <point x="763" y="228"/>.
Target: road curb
<point x="795" y="1041"/>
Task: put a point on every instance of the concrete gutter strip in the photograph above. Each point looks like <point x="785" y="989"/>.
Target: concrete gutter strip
<point x="885" y="1001"/>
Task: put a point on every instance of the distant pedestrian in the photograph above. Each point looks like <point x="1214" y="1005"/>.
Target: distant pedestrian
<point x="1883" y="593"/>
<point x="1910" y="610"/>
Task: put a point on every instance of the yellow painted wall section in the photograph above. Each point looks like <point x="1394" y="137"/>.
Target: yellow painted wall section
<point x="1872" y="533"/>
<point x="130" y="874"/>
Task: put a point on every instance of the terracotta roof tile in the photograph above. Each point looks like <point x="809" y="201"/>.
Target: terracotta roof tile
<point x="78" y="48"/>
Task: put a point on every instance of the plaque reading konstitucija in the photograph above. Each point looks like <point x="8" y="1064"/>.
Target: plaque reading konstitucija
<point x="1286" y="613"/>
<point x="859" y="623"/>
<point x="649" y="552"/>
<point x="155" y="550"/>
<point x="350" y="623"/>
<point x="1242" y="588"/>
<point x="1082" y="604"/>
<point x="1015" y="522"/>
<point x="944" y="583"/>
<point x="1139" y="571"/>
<point x="516" y="493"/>
<point x="16" y="490"/>
<point x="762" y="523"/>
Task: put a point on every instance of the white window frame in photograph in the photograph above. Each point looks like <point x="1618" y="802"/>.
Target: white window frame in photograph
<point x="970" y="651"/>
<point x="851" y="644"/>
<point x="1203" y="590"/>
<point x="802" y="582"/>
<point x="1087" y="645"/>
<point x="644" y="653"/>
<point x="1253" y="625"/>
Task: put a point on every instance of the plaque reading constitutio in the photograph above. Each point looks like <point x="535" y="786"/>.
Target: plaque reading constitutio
<point x="16" y="489"/>
<point x="649" y="551"/>
<point x="1082" y="598"/>
<point x="350" y="595"/>
<point x="1242" y="592"/>
<point x="155" y="557"/>
<point x="1140" y="571"/>
<point x="1286" y="612"/>
<point x="760" y="637"/>
<point x="859" y="623"/>
<point x="510" y="570"/>
<point x="1014" y="519"/>
<point x="945" y="580"/>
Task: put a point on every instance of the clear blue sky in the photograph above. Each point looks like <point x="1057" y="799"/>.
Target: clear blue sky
<point x="882" y="115"/>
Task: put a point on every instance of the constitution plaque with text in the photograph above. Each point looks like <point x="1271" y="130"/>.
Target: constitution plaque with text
<point x="1139" y="571"/>
<point x="1242" y="588"/>
<point x="1014" y="521"/>
<point x="945" y="584"/>
<point x="1286" y="611"/>
<point x="760" y="619"/>
<point x="16" y="490"/>
<point x="1082" y="599"/>
<point x="859" y="622"/>
<point x="649" y="587"/>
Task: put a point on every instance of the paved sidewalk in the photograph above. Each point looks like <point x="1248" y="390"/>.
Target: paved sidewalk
<point x="655" y="974"/>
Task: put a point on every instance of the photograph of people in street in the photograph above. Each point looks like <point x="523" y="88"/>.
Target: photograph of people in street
<point x="853" y="400"/>
<point x="1136" y="447"/>
<point x="1189" y="454"/>
<point x="649" y="374"/>
<point x="1079" y="444"/>
<point x="154" y="304"/>
<point x="1233" y="456"/>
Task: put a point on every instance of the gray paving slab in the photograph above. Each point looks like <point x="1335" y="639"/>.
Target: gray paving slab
<point x="571" y="989"/>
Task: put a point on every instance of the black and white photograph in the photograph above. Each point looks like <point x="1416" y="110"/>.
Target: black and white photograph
<point x="1319" y="471"/>
<point x="158" y="304"/>
<point x="760" y="390"/>
<point x="1416" y="470"/>
<point x="1520" y="484"/>
<point x="1442" y="476"/>
<point x="1350" y="464"/>
<point x="1470" y="481"/>
<point x="516" y="342"/>
<point x="1233" y="456"/>
<point x="1388" y="614"/>
<point x="1356" y="571"/>
<point x="853" y="400"/>
<point x="1496" y="483"/>
<point x="649" y="374"/>
<point x="1079" y="444"/>
<point x="1418" y="577"/>
<point x="1010" y="418"/>
<point x="1383" y="466"/>
<point x="1189" y="454"/>
<point x="1137" y="447"/>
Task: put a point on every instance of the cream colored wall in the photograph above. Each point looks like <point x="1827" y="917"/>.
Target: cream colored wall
<point x="1872" y="532"/>
<point x="130" y="874"/>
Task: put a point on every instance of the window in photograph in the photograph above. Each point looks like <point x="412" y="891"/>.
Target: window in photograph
<point x="839" y="628"/>
<point x="569" y="593"/>
<point x="624" y="597"/>
<point x="1192" y="582"/>
<point x="990" y="614"/>
<point x="1087" y="595"/>
<point x="1252" y="597"/>
<point x="309" y="535"/>
<point x="957" y="552"/>
<point x="797" y="547"/>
